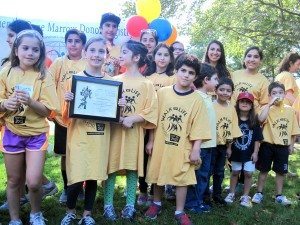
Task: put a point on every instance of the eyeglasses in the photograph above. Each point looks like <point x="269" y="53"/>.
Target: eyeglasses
<point x="178" y="49"/>
<point x="149" y="31"/>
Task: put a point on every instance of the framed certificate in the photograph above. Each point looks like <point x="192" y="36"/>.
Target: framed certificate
<point x="95" y="99"/>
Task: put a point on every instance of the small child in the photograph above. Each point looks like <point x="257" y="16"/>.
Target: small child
<point x="280" y="128"/>
<point x="206" y="82"/>
<point x="244" y="150"/>
<point x="182" y="126"/>
<point x="227" y="130"/>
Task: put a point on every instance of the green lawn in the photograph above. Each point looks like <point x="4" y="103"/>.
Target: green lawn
<point x="266" y="213"/>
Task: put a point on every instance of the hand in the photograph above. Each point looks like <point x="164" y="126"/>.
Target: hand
<point x="122" y="101"/>
<point x="11" y="104"/>
<point x="23" y="97"/>
<point x="149" y="147"/>
<point x="128" y="122"/>
<point x="228" y="152"/>
<point x="254" y="157"/>
<point x="195" y="158"/>
<point x="69" y="96"/>
<point x="275" y="101"/>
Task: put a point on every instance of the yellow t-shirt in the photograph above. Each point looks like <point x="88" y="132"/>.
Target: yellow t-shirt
<point x="87" y="147"/>
<point x="111" y="66"/>
<point x="289" y="82"/>
<point x="280" y="125"/>
<point x="62" y="70"/>
<point x="127" y="145"/>
<point x="162" y="80"/>
<point x="227" y="123"/>
<point x="256" y="84"/>
<point x="25" y="121"/>
<point x="182" y="119"/>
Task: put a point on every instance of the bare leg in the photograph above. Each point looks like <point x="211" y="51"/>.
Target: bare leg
<point x="233" y="180"/>
<point x="180" y="197"/>
<point x="15" y="167"/>
<point x="35" y="161"/>
<point x="279" y="183"/>
<point x="247" y="182"/>
<point x="261" y="181"/>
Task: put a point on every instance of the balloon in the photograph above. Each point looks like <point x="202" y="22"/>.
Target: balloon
<point x="173" y="36"/>
<point x="149" y="9"/>
<point x="135" y="24"/>
<point x="162" y="27"/>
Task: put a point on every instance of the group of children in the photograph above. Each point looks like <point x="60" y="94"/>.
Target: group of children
<point x="189" y="136"/>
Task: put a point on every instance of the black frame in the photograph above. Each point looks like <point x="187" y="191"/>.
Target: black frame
<point x="94" y="80"/>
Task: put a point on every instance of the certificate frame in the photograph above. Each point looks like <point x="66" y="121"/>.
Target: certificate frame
<point x="95" y="98"/>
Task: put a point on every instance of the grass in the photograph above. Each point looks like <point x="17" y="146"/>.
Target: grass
<point x="266" y="213"/>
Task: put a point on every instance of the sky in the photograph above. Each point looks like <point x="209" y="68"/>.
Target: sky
<point x="60" y="10"/>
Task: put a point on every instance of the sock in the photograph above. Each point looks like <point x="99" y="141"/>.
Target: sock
<point x="157" y="203"/>
<point x="178" y="212"/>
<point x="132" y="178"/>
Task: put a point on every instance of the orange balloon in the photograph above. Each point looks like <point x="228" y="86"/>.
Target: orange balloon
<point x="173" y="36"/>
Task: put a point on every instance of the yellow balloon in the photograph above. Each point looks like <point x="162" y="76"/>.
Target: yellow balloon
<point x="149" y="9"/>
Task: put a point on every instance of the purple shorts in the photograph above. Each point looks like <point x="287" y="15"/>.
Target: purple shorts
<point x="13" y="143"/>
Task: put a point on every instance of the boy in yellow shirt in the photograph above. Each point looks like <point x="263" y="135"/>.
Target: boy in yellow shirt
<point x="182" y="126"/>
<point x="280" y="128"/>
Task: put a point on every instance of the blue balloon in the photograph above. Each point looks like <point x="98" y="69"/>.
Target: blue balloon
<point x="163" y="28"/>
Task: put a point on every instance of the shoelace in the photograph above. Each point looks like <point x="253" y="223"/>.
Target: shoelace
<point x="70" y="217"/>
<point x="129" y="211"/>
<point x="110" y="212"/>
<point x="39" y="219"/>
<point x="88" y="220"/>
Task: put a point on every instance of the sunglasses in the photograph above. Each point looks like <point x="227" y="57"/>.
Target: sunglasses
<point x="149" y="31"/>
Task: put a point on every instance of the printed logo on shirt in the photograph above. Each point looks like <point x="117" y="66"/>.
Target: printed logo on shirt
<point x="242" y="87"/>
<point x="223" y="125"/>
<point x="172" y="120"/>
<point x="131" y="96"/>
<point x="282" y="125"/>
<point x="67" y="75"/>
<point x="19" y="119"/>
<point x="98" y="128"/>
<point x="244" y="142"/>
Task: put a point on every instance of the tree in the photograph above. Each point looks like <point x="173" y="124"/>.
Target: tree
<point x="272" y="25"/>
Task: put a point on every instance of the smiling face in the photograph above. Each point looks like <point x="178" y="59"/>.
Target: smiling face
<point x="162" y="58"/>
<point x="126" y="56"/>
<point x="294" y="67"/>
<point x="74" y="46"/>
<point x="149" y="41"/>
<point x="252" y="60"/>
<point x="224" y="92"/>
<point x="28" y="52"/>
<point x="178" y="49"/>
<point x="214" y="53"/>
<point x="96" y="54"/>
<point x="109" y="30"/>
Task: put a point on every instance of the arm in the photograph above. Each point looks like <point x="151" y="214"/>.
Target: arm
<point x="255" y="153"/>
<point x="265" y="111"/>
<point x="195" y="153"/>
<point x="291" y="147"/>
<point x="290" y="96"/>
<point x="228" y="150"/>
<point x="149" y="145"/>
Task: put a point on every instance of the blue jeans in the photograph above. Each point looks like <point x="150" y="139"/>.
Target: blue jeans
<point x="196" y="192"/>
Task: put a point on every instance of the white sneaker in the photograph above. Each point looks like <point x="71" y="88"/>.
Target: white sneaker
<point x="15" y="222"/>
<point x="281" y="199"/>
<point x="68" y="219"/>
<point x="37" y="219"/>
<point x="63" y="197"/>
<point x="229" y="198"/>
<point x="257" y="198"/>
<point x="246" y="201"/>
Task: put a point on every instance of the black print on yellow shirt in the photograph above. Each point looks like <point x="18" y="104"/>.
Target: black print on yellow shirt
<point x="67" y="75"/>
<point x="222" y="127"/>
<point x="98" y="128"/>
<point x="131" y="96"/>
<point x="174" y="139"/>
<point x="19" y="119"/>
<point x="243" y="87"/>
<point x="85" y="93"/>
<point x="282" y="125"/>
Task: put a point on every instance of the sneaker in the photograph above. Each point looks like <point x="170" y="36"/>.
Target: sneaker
<point x="68" y="219"/>
<point x="15" y="222"/>
<point x="202" y="208"/>
<point x="183" y="219"/>
<point x="246" y="201"/>
<point x="211" y="189"/>
<point x="87" y="220"/>
<point x="109" y="213"/>
<point x="229" y="198"/>
<point x="281" y="199"/>
<point x="49" y="189"/>
<point x="142" y="199"/>
<point x="219" y="200"/>
<point x="23" y="201"/>
<point x="128" y="212"/>
<point x="153" y="211"/>
<point x="37" y="219"/>
<point x="63" y="197"/>
<point x="257" y="198"/>
<point x="170" y="192"/>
